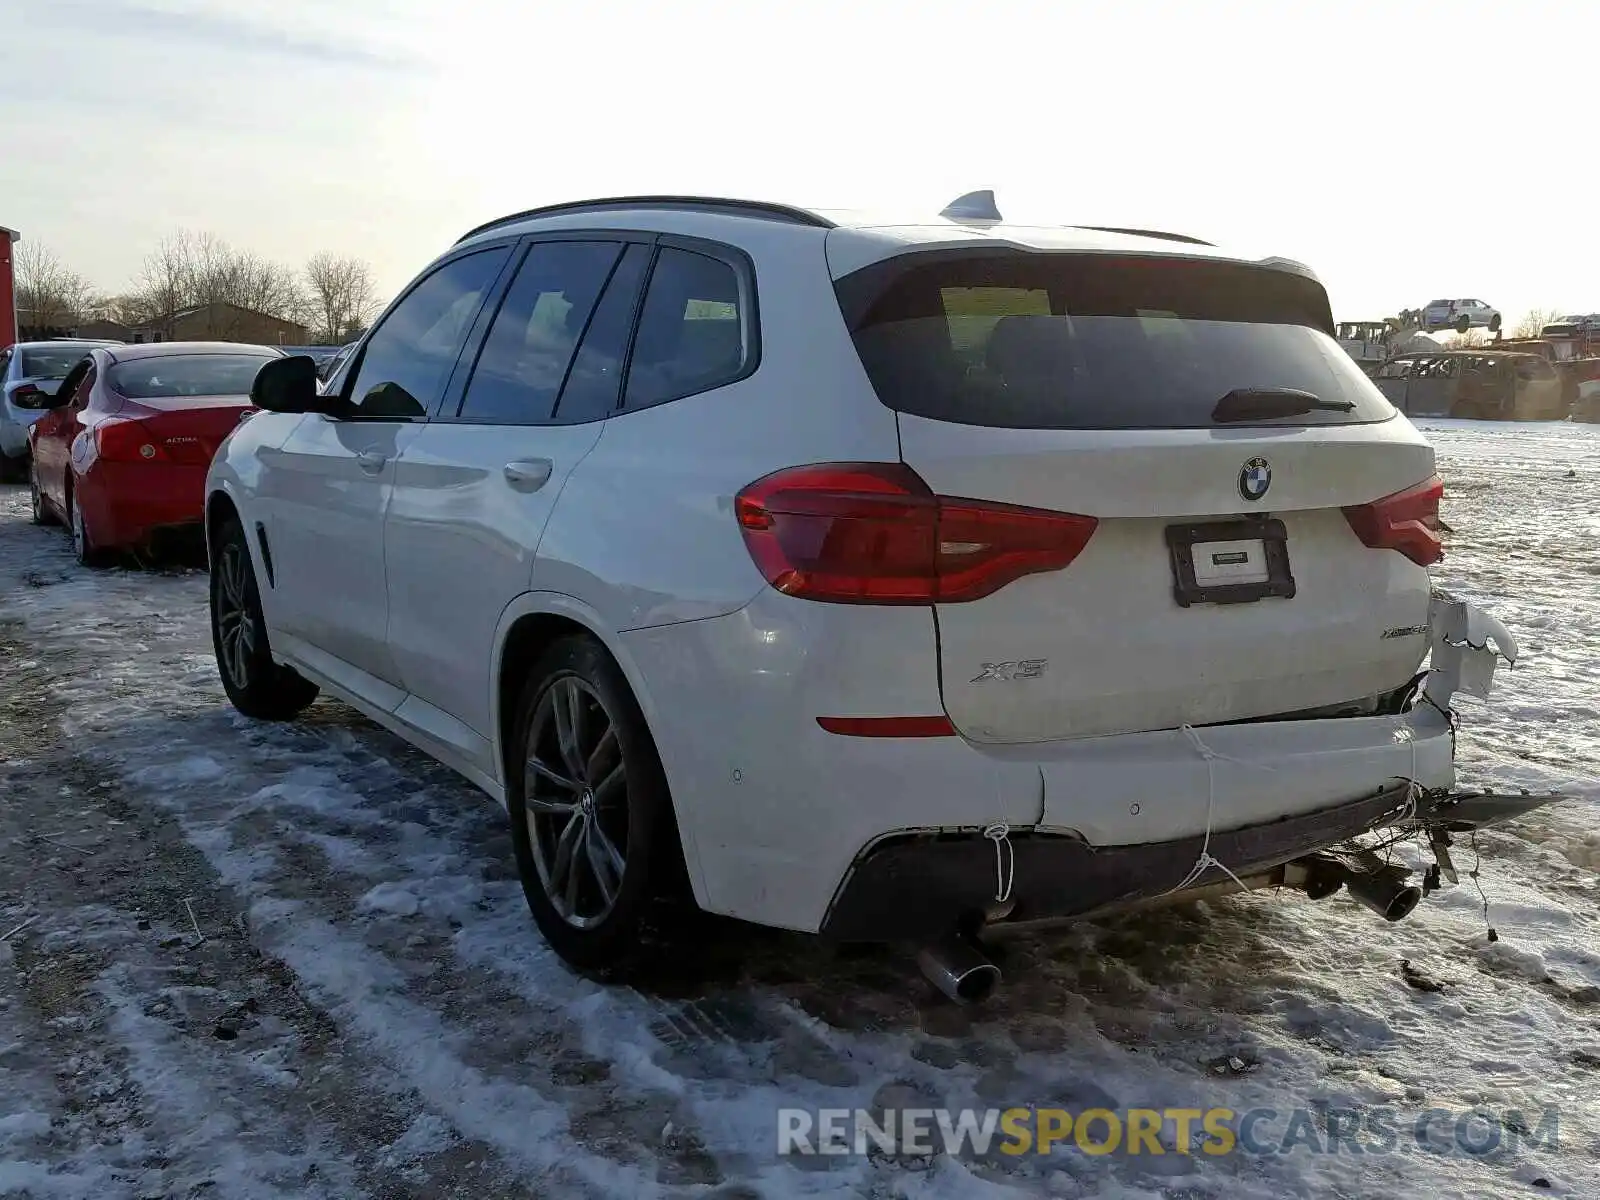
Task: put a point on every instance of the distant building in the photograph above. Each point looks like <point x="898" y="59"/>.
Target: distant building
<point x="8" y="300"/>
<point x="103" y="329"/>
<point x="205" y="323"/>
<point x="221" y="322"/>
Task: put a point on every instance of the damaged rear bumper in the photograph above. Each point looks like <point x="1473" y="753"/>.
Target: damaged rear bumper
<point x="920" y="884"/>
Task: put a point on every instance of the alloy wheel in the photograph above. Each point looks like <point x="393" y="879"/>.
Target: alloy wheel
<point x="576" y="799"/>
<point x="235" y="622"/>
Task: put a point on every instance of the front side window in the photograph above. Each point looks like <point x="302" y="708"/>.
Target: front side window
<point x="691" y="331"/>
<point x="407" y="360"/>
<point x="80" y="395"/>
<point x="530" y="346"/>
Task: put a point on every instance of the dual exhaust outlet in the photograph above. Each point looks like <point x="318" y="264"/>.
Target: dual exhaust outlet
<point x="959" y="967"/>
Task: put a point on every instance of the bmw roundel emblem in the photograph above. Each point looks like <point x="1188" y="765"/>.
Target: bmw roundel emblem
<point x="1255" y="477"/>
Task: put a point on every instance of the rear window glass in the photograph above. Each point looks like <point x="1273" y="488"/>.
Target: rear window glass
<point x="50" y="364"/>
<point x="1054" y="341"/>
<point x="176" y="375"/>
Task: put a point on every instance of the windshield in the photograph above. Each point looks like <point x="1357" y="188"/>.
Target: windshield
<point x="172" y="375"/>
<point x="1096" y="341"/>
<point x="53" y="363"/>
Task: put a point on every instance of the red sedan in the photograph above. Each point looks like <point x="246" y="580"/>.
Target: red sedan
<point x="121" y="453"/>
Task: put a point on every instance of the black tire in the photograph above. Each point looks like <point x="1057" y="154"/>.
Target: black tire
<point x="257" y="686"/>
<point x="1463" y="324"/>
<point x="83" y="547"/>
<point x="41" y="509"/>
<point x="611" y="935"/>
<point x="13" y="470"/>
<point x="1494" y="323"/>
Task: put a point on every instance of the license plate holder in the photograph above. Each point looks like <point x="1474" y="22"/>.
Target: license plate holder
<point x="1269" y="532"/>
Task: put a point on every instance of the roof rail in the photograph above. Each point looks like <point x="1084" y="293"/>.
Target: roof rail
<point x="1149" y="233"/>
<point x="748" y="208"/>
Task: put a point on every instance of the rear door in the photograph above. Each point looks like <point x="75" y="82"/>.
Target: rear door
<point x="1223" y="581"/>
<point x="473" y="493"/>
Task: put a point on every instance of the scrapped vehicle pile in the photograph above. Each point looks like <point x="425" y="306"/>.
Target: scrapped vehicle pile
<point x="249" y="960"/>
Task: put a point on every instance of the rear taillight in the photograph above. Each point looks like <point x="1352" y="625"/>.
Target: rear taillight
<point x="1407" y="521"/>
<point x="874" y="533"/>
<point x="126" y="441"/>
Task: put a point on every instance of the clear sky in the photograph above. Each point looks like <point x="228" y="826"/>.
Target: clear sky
<point x="1405" y="150"/>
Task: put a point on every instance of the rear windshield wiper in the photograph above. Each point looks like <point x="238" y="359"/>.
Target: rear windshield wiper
<point x="1260" y="404"/>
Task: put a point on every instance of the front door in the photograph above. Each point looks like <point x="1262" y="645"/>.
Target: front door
<point x="473" y="493"/>
<point x="55" y="430"/>
<point x="327" y="488"/>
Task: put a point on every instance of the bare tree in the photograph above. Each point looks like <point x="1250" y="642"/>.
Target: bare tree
<point x="265" y="286"/>
<point x="201" y="271"/>
<point x="48" y="293"/>
<point x="1535" y="321"/>
<point x="341" y="296"/>
<point x="164" y="285"/>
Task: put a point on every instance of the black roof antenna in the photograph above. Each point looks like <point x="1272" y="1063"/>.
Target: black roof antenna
<point x="974" y="206"/>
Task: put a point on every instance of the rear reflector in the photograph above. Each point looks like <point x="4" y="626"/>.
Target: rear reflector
<point x="1407" y="521"/>
<point x="874" y="533"/>
<point x="889" y="727"/>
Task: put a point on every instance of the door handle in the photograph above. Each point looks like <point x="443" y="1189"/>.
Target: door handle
<point x="529" y="474"/>
<point x="371" y="461"/>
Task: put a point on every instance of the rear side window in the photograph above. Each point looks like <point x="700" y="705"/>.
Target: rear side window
<point x="530" y="345"/>
<point x="1075" y="341"/>
<point x="594" y="382"/>
<point x="691" y="335"/>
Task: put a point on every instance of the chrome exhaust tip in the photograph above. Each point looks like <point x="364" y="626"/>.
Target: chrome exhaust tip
<point x="959" y="969"/>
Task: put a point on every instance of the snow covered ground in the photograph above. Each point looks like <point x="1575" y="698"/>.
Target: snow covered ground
<point x="294" y="961"/>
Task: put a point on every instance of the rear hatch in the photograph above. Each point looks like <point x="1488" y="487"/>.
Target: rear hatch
<point x="1198" y="409"/>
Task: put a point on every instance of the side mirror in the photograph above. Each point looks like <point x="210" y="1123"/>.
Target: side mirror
<point x="289" y="385"/>
<point x="36" y="398"/>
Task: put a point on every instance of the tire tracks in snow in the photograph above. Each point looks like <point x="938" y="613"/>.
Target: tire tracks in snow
<point x="384" y="888"/>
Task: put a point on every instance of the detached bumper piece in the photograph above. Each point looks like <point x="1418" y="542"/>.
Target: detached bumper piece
<point x="923" y="885"/>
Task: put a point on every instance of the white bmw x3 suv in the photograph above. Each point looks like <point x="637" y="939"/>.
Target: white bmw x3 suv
<point x="879" y="578"/>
